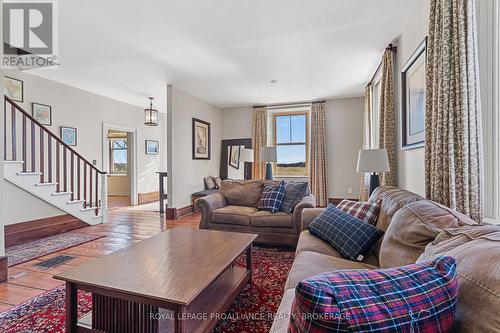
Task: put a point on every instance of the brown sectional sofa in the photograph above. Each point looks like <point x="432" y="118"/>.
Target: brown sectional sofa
<point x="415" y="230"/>
<point x="234" y="208"/>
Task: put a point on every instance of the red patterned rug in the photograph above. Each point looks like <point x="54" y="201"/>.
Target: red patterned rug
<point x="252" y="310"/>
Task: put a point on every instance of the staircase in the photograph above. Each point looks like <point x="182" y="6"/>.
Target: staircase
<point x="39" y="162"/>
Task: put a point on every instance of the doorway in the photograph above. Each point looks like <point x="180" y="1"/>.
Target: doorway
<point x="119" y="161"/>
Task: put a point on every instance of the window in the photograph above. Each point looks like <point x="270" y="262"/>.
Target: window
<point x="118" y="156"/>
<point x="291" y="141"/>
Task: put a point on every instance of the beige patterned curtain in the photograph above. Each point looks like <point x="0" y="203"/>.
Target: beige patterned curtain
<point x="453" y="147"/>
<point x="364" y="189"/>
<point x="318" y="172"/>
<point x="259" y="140"/>
<point x="387" y="124"/>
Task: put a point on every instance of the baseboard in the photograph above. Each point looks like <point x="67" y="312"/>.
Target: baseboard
<point x="144" y="198"/>
<point x="336" y="201"/>
<point x="23" y="232"/>
<point x="176" y="213"/>
<point x="3" y="269"/>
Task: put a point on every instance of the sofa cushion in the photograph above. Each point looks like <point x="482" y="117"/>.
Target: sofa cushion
<point x="418" y="297"/>
<point x="477" y="252"/>
<point x="272" y="197"/>
<point x="233" y="215"/>
<point x="264" y="218"/>
<point x="294" y="192"/>
<point x="308" y="264"/>
<point x="309" y="242"/>
<point x="413" y="227"/>
<point x="242" y="192"/>
<point x="217" y="181"/>
<point x="347" y="234"/>
<point x="365" y="211"/>
<point x="209" y="183"/>
<point x="282" y="318"/>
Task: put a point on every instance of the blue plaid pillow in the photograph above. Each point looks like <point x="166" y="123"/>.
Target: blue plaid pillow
<point x="272" y="197"/>
<point x="414" y="298"/>
<point x="350" y="236"/>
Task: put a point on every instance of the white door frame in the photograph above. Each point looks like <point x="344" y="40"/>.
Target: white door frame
<point x="105" y="155"/>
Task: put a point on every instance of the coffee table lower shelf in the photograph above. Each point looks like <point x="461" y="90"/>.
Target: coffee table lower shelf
<point x="117" y="312"/>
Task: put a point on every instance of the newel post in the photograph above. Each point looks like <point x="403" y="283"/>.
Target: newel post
<point x="104" y="197"/>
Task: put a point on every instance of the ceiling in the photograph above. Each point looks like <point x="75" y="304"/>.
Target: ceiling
<point x="224" y="51"/>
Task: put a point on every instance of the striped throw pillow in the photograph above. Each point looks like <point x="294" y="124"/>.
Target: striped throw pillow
<point x="365" y="211"/>
<point x="414" y="298"/>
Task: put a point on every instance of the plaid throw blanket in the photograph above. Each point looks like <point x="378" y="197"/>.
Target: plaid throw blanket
<point x="414" y="298"/>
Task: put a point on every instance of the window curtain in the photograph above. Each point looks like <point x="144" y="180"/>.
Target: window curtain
<point x="318" y="172"/>
<point x="453" y="147"/>
<point x="259" y="140"/>
<point x="387" y="115"/>
<point x="364" y="190"/>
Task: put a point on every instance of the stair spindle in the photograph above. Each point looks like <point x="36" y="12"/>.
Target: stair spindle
<point x="65" y="170"/>
<point x="49" y="157"/>
<point x="42" y="158"/>
<point x="97" y="192"/>
<point x="13" y="121"/>
<point x="90" y="189"/>
<point x="72" y="184"/>
<point x="85" y="184"/>
<point x="24" y="143"/>
<point x="58" y="167"/>
<point x="33" y="149"/>
<point x="78" y="184"/>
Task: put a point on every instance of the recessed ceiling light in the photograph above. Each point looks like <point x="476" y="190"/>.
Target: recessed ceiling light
<point x="273" y="81"/>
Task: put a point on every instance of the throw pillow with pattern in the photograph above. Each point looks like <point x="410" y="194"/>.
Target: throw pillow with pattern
<point x="217" y="181"/>
<point x="272" y="197"/>
<point x="294" y="192"/>
<point x="350" y="236"/>
<point x="365" y="211"/>
<point x="414" y="298"/>
<point x="209" y="183"/>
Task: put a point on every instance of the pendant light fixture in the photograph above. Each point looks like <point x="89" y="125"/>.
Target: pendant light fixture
<point x="150" y="114"/>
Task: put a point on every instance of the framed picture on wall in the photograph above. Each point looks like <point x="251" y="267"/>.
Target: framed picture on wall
<point x="234" y="156"/>
<point x="152" y="147"/>
<point x="13" y="88"/>
<point x="42" y="113"/>
<point x="413" y="99"/>
<point x="69" y="135"/>
<point x="201" y="140"/>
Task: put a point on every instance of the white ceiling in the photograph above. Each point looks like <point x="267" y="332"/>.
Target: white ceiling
<point x="224" y="51"/>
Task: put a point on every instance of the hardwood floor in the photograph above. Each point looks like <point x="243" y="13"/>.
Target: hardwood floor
<point x="125" y="227"/>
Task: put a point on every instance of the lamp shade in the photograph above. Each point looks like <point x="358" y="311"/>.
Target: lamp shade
<point x="247" y="155"/>
<point x="373" y="160"/>
<point x="268" y="154"/>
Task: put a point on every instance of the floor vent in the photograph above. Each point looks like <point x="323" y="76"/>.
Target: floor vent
<point x="17" y="275"/>
<point x="53" y="262"/>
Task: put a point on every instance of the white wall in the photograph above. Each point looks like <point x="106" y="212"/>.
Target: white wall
<point x="87" y="112"/>
<point x="411" y="168"/>
<point x="2" y="187"/>
<point x="185" y="174"/>
<point x="344" y="122"/>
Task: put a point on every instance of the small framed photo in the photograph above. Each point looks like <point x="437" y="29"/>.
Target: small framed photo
<point x="152" y="147"/>
<point x="42" y="113"/>
<point x="13" y="88"/>
<point x="69" y="135"/>
<point x="201" y="139"/>
<point x="234" y="156"/>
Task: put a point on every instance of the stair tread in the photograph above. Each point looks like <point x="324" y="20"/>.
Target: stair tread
<point x="61" y="193"/>
<point x="74" y="201"/>
<point x="29" y="173"/>
<point x="45" y="184"/>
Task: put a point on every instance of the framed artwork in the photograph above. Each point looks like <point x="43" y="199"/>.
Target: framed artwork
<point x="42" y="113"/>
<point x="14" y="89"/>
<point x="69" y="135"/>
<point x="201" y="140"/>
<point x="152" y="147"/>
<point x="413" y="99"/>
<point x="234" y="156"/>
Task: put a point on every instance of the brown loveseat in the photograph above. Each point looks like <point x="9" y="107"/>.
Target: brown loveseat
<point x="234" y="208"/>
<point x="415" y="230"/>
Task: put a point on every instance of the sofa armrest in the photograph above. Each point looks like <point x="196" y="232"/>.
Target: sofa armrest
<point x="307" y="202"/>
<point x="308" y="215"/>
<point x="207" y="205"/>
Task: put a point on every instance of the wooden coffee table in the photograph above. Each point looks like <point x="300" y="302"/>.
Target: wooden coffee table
<point x="180" y="279"/>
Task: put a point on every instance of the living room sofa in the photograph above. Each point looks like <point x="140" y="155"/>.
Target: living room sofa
<point x="234" y="208"/>
<point x="415" y="230"/>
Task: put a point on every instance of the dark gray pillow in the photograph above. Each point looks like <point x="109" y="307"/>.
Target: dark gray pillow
<point x="294" y="192"/>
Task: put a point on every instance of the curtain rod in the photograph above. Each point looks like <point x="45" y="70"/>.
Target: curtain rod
<point x="391" y="47"/>
<point x="297" y="104"/>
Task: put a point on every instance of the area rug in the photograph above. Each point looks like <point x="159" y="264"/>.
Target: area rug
<point x="35" y="249"/>
<point x="252" y="311"/>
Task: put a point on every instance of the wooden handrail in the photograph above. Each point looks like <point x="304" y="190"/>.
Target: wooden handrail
<point x="45" y="129"/>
